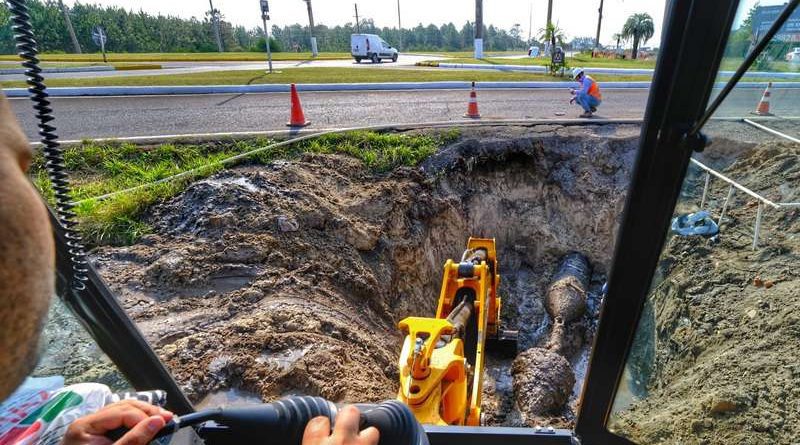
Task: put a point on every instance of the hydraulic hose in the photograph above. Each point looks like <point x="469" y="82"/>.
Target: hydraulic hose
<point x="52" y="151"/>
<point x="287" y="418"/>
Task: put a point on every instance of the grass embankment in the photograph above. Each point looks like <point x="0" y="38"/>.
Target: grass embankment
<point x="308" y="75"/>
<point x="181" y="57"/>
<point x="96" y="169"/>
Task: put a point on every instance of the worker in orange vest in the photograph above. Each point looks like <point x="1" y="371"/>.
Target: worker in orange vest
<point x="588" y="95"/>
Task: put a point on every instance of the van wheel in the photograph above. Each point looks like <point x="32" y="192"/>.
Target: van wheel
<point x="358" y="59"/>
<point x="375" y="59"/>
<point x="394" y="58"/>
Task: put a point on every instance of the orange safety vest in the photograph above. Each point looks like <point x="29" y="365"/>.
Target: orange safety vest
<point x="594" y="89"/>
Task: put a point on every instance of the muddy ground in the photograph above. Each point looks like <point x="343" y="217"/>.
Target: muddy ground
<point x="289" y="278"/>
<point x="717" y="359"/>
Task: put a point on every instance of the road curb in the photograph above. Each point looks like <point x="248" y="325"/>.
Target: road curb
<point x="339" y="87"/>
<point x="284" y="88"/>
<point x="607" y="71"/>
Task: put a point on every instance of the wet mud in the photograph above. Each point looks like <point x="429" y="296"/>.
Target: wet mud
<point x="290" y="278"/>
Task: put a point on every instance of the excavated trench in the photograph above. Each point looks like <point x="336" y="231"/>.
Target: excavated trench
<point x="289" y="278"/>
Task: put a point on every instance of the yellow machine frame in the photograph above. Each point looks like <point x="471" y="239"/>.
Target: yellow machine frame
<point x="436" y="379"/>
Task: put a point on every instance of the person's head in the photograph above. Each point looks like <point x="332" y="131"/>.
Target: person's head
<point x="577" y="74"/>
<point x="26" y="257"/>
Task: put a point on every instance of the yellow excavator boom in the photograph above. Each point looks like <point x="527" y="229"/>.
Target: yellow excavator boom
<point x="442" y="360"/>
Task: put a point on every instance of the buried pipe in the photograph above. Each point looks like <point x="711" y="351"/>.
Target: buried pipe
<point x="543" y="377"/>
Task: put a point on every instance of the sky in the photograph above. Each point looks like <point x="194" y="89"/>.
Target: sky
<point x="578" y="18"/>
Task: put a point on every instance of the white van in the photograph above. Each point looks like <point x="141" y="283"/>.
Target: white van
<point x="372" y="47"/>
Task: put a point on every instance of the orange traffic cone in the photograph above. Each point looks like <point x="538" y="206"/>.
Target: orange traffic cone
<point x="763" y="106"/>
<point x="472" y="108"/>
<point x="298" y="119"/>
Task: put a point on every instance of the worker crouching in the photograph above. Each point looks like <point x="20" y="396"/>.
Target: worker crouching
<point x="588" y="95"/>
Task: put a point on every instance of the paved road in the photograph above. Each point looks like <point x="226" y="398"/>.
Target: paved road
<point x="405" y="61"/>
<point x="78" y="118"/>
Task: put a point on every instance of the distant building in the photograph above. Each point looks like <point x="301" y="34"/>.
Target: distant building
<point x="765" y="16"/>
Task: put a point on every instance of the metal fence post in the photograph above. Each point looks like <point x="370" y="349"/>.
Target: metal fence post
<point x="705" y="191"/>
<point x="725" y="205"/>
<point x="759" y="214"/>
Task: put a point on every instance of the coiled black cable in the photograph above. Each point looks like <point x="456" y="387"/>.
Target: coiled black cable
<point x="53" y="153"/>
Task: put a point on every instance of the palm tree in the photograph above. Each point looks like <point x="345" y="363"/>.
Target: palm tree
<point x="640" y="28"/>
<point x="552" y="32"/>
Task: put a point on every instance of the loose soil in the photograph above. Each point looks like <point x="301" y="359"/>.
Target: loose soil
<point x="716" y="360"/>
<point x="290" y="278"/>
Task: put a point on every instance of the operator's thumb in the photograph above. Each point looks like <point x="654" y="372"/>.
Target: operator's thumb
<point x="143" y="432"/>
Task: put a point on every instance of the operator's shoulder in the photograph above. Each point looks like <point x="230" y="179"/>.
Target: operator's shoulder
<point x="12" y="139"/>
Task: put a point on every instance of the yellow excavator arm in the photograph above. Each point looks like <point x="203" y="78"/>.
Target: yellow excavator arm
<point x="442" y="360"/>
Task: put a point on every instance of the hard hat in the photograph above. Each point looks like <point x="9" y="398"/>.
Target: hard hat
<point x="576" y="72"/>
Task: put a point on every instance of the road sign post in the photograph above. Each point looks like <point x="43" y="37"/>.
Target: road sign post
<point x="264" y="18"/>
<point x="99" y="38"/>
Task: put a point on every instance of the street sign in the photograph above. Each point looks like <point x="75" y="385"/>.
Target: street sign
<point x="99" y="36"/>
<point x="765" y="16"/>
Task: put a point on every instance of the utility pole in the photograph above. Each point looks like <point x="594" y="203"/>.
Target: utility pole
<point x="479" y="29"/>
<point x="314" y="52"/>
<point x="530" y="23"/>
<point x="599" y="22"/>
<point x="70" y="29"/>
<point x="215" y="22"/>
<point x="399" y="26"/>
<point x="358" y="22"/>
<point x="265" y="17"/>
<point x="552" y="43"/>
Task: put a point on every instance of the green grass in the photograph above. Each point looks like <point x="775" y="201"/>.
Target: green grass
<point x="578" y="60"/>
<point x="308" y="75"/>
<point x="99" y="168"/>
<point x="180" y="57"/>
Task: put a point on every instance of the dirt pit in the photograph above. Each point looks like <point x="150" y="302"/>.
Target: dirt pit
<point x="715" y="360"/>
<point x="290" y="278"/>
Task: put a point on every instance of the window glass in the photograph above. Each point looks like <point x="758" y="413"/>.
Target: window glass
<point x="68" y="352"/>
<point x="715" y="358"/>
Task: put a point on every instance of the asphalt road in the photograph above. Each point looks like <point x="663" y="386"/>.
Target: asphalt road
<point x="404" y="61"/>
<point x="79" y="118"/>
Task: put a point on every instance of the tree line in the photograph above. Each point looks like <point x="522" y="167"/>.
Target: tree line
<point x="133" y="32"/>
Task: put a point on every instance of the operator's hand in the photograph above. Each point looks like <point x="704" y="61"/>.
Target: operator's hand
<point x="143" y="419"/>
<point x="345" y="432"/>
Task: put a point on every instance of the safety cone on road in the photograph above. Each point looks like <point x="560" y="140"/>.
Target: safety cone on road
<point x="763" y="106"/>
<point x="472" y="108"/>
<point x="297" y="119"/>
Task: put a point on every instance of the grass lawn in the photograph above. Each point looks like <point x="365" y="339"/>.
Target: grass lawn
<point x="311" y="75"/>
<point x="95" y="169"/>
<point x="579" y="60"/>
<point x="179" y="57"/>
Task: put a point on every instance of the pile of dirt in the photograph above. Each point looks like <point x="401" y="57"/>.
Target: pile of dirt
<point x="716" y="358"/>
<point x="290" y="278"/>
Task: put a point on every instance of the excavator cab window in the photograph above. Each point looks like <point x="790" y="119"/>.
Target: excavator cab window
<point x="670" y="353"/>
<point x="696" y="333"/>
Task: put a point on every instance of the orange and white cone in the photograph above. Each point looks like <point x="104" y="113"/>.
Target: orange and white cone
<point x="472" y="108"/>
<point x="297" y="118"/>
<point x="763" y="106"/>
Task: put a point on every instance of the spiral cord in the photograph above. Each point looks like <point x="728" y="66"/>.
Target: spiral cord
<point x="52" y="151"/>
